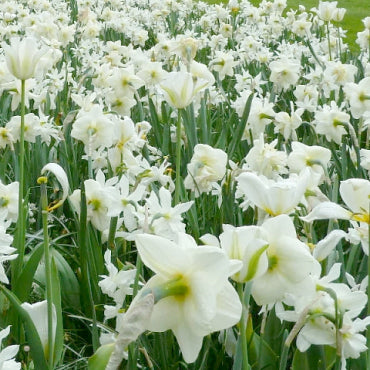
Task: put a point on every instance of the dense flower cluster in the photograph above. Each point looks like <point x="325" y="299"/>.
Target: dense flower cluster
<point x="180" y="122"/>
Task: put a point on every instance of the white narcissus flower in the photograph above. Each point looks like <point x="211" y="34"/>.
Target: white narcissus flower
<point x="274" y="197"/>
<point x="331" y="121"/>
<point x="355" y="194"/>
<point x="39" y="315"/>
<point x="358" y="96"/>
<point x="5" y="249"/>
<point x="326" y="10"/>
<point x="118" y="283"/>
<point x="165" y="220"/>
<point x="202" y="300"/>
<point x="207" y="165"/>
<point x="9" y="200"/>
<point x="22" y="57"/>
<point x="178" y="89"/>
<point x="247" y="245"/>
<point x="290" y="264"/>
<point x="284" y="73"/>
<point x="313" y="156"/>
<point x="101" y="197"/>
<point x="7" y="354"/>
<point x="94" y="128"/>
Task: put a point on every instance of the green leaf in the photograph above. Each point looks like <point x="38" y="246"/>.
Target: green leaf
<point x="36" y="349"/>
<point x="22" y="286"/>
<point x="316" y="357"/>
<point x="99" y="360"/>
<point x="70" y="291"/>
<point x="56" y="298"/>
<point x="239" y="130"/>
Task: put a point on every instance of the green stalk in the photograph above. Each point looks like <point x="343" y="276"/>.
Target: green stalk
<point x="328" y="37"/>
<point x="244" y="295"/>
<point x="178" y="157"/>
<point x="49" y="298"/>
<point x="285" y="351"/>
<point x="21" y="221"/>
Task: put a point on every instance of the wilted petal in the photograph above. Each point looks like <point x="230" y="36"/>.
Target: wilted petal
<point x="61" y="176"/>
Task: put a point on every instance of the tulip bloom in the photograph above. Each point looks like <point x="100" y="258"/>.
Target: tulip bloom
<point x="22" y="57"/>
<point x="197" y="298"/>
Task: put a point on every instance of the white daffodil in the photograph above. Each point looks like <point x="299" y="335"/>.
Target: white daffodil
<point x="101" y="197"/>
<point x="7" y="354"/>
<point x="9" y="200"/>
<point x="208" y="165"/>
<point x="290" y="264"/>
<point x="165" y="220"/>
<point x="94" y="128"/>
<point x="356" y="195"/>
<point x="178" y="89"/>
<point x="39" y="315"/>
<point x="5" y="249"/>
<point x="197" y="298"/>
<point x="274" y="197"/>
<point x="23" y="56"/>
<point x="245" y="244"/>
<point x="118" y="283"/>
<point x="313" y="156"/>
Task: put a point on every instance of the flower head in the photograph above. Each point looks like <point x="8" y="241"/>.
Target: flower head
<point x="22" y="57"/>
<point x="201" y="298"/>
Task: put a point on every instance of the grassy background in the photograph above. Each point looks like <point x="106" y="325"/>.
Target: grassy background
<point x="356" y="11"/>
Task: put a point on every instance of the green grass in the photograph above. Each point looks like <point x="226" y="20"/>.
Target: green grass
<point x="356" y="11"/>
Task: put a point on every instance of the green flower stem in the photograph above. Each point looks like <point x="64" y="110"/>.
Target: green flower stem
<point x="285" y="351"/>
<point x="21" y="221"/>
<point x="44" y="206"/>
<point x="244" y="295"/>
<point x="178" y="158"/>
<point x="328" y="36"/>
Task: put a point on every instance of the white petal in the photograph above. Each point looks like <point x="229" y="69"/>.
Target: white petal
<point x="278" y="226"/>
<point x="327" y="210"/>
<point x="326" y="245"/>
<point x="161" y="255"/>
<point x="229" y="309"/>
<point x="190" y="343"/>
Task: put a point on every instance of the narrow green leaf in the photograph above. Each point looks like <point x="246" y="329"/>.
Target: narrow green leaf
<point x="22" y="286"/>
<point x="56" y="298"/>
<point x="239" y="130"/>
<point x="70" y="288"/>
